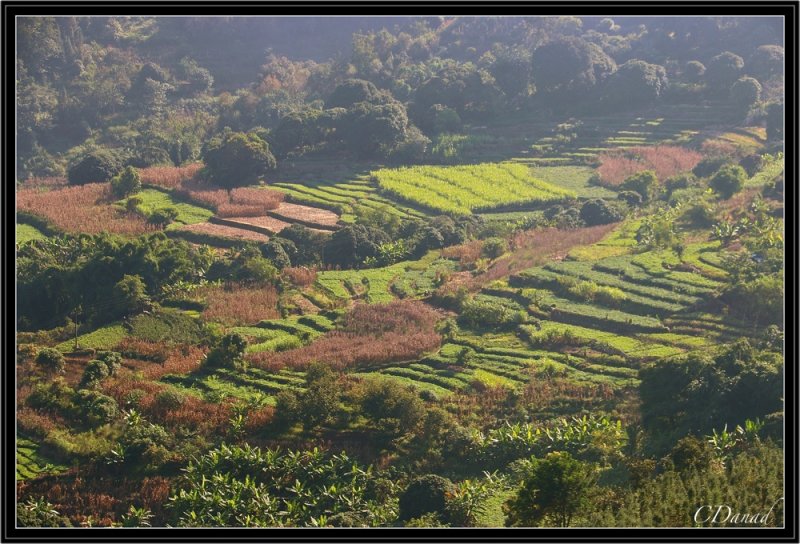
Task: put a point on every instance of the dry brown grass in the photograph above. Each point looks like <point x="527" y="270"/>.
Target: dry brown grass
<point x="466" y="253"/>
<point x="370" y="334"/>
<point x="300" y="276"/>
<point x="241" y="202"/>
<point x="169" y="177"/>
<point x="530" y="248"/>
<point x="224" y="231"/>
<point x="665" y="160"/>
<point x="233" y="304"/>
<point x="84" y="208"/>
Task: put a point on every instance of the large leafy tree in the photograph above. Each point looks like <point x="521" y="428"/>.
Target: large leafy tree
<point x="568" y="63"/>
<point x="236" y="159"/>
<point x="696" y="393"/>
<point x="557" y="488"/>
<point x="636" y="82"/>
<point x="95" y="166"/>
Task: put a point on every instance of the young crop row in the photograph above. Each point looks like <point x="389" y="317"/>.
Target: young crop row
<point x="468" y="188"/>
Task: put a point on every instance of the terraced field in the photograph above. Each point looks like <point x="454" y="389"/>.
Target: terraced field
<point x="30" y="463"/>
<point x="343" y="196"/>
<point x="26" y="233"/>
<point x="408" y="278"/>
<point x="469" y="188"/>
<point x="155" y="199"/>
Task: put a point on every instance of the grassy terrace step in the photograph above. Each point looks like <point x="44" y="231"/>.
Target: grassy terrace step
<point x="451" y="384"/>
<point x="699" y="286"/>
<point x="438" y="390"/>
<point x="317" y="322"/>
<point x="637" y="304"/>
<point x="632" y="347"/>
<point x="292" y="326"/>
<point x="591" y="316"/>
<point x="585" y="271"/>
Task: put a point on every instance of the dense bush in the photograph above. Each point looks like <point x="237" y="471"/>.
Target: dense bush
<point x="723" y="69"/>
<point x="599" y="212"/>
<point x="645" y="183"/>
<point x="51" y="360"/>
<point x="424" y="495"/>
<point x="728" y="180"/>
<point x="126" y="182"/>
<point x="94" y="167"/>
<point x="236" y="159"/>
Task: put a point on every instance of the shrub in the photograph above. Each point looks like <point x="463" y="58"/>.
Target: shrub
<point x="494" y="247"/>
<point x="96" y="407"/>
<point x="162" y="216"/>
<point x="599" y="212"/>
<point x="728" y="180"/>
<point x="424" y="495"/>
<point x="645" y="183"/>
<point x="694" y="71"/>
<point x="237" y="159"/>
<point x="709" y="166"/>
<point x="94" y="372"/>
<point x="394" y="409"/>
<point x="96" y="166"/>
<point x="112" y="360"/>
<point x="631" y="198"/>
<point x="745" y="92"/>
<point x="51" y="360"/>
<point x="126" y="182"/>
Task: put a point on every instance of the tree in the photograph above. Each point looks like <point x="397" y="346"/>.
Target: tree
<point x="557" y="488"/>
<point x="512" y="71"/>
<point x="696" y="393"/>
<point x="351" y="92"/>
<point x="129" y="296"/>
<point x="321" y="398"/>
<point x="236" y="159"/>
<point x="599" y="212"/>
<point x="394" y="409"/>
<point x="568" y="63"/>
<point x="694" y="71"/>
<point x="766" y="62"/>
<point x="297" y="130"/>
<point x="644" y="183"/>
<point x="775" y="121"/>
<point x="728" y="180"/>
<point x="228" y="353"/>
<point x="126" y="182"/>
<point x="440" y="118"/>
<point x="94" y="167"/>
<point x="425" y="494"/>
<point x="94" y="372"/>
<point x="373" y="129"/>
<point x="51" y="360"/>
<point x="352" y="245"/>
<point x="745" y="92"/>
<point x="723" y="70"/>
<point x="96" y="407"/>
<point x="635" y="83"/>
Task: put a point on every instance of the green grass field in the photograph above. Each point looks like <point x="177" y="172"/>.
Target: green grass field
<point x="154" y="199"/>
<point x="103" y="338"/>
<point x="469" y="188"/>
<point x="26" y="233"/>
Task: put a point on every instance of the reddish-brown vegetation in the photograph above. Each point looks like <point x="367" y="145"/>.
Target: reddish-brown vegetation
<point x="665" y="160"/>
<point x="224" y="231"/>
<point x="233" y="304"/>
<point x="264" y="221"/>
<point x="52" y="182"/>
<point x="466" y="253"/>
<point x="97" y="498"/>
<point x="84" y="208"/>
<point x="300" y="276"/>
<point x="169" y="177"/>
<point x="243" y="202"/>
<point x="370" y="334"/>
<point x="300" y="212"/>
<point x="530" y="248"/>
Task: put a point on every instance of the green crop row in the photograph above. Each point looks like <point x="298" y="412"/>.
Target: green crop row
<point x="468" y="188"/>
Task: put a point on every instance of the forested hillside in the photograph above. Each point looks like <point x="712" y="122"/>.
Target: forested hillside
<point x="399" y="271"/>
